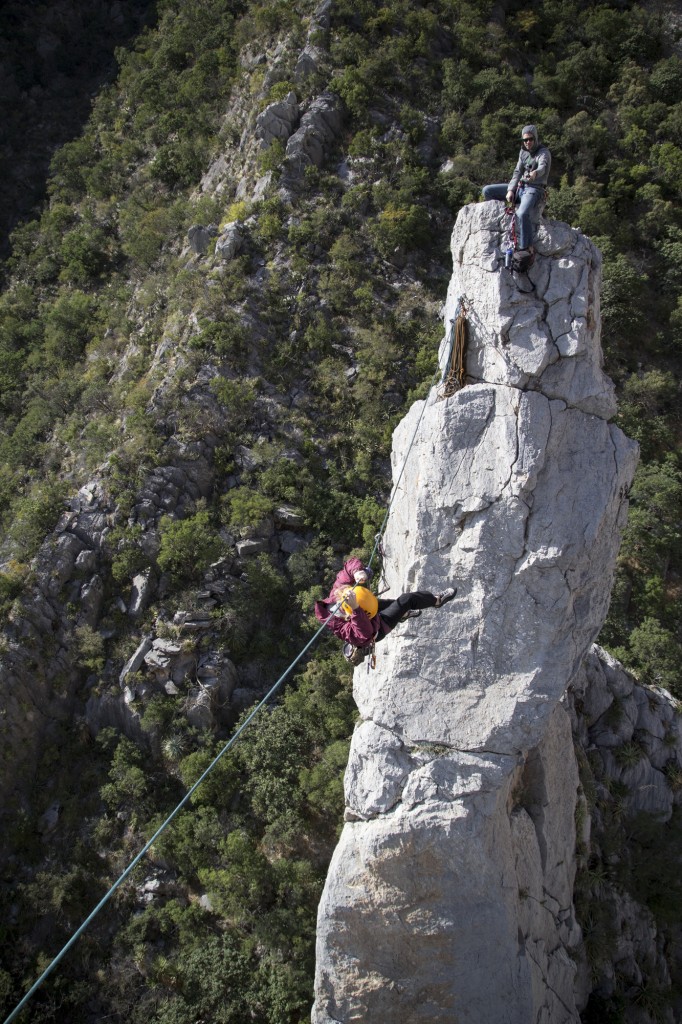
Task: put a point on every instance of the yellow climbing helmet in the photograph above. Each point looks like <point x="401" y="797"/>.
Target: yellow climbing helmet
<point x="366" y="600"/>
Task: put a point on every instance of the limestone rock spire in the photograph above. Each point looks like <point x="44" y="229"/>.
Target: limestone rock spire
<point x="461" y="783"/>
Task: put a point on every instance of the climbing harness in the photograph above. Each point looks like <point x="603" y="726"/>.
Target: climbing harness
<point x="512" y="241"/>
<point x="519" y="261"/>
<point x="453" y="374"/>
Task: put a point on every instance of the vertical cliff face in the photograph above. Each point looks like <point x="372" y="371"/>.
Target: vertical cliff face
<point x="450" y="893"/>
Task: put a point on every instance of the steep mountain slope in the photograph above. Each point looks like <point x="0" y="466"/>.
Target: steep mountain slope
<point x="53" y="60"/>
<point x="192" y="440"/>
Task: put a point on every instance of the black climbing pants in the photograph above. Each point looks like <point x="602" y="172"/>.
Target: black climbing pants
<point x="392" y="611"/>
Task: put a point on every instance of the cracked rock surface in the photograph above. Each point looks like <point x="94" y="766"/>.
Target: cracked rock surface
<point x="450" y="894"/>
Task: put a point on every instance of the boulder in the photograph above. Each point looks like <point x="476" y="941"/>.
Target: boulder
<point x="252" y="546"/>
<point x="134" y="663"/>
<point x="230" y="241"/>
<point x="141" y="593"/>
<point x="91" y="600"/>
<point x="169" y="659"/>
<point x="199" y="239"/>
<point x="320" y="129"/>
<point x="276" y="122"/>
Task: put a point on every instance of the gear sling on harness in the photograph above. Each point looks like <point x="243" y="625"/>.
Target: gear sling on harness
<point x="453" y="374"/>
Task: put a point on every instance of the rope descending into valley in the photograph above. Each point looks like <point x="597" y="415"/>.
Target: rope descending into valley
<point x="230" y="743"/>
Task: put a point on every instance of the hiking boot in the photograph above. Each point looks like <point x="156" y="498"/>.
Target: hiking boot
<point x="413" y="613"/>
<point x="446" y="596"/>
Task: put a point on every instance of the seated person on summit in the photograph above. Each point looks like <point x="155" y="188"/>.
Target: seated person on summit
<point x="528" y="184"/>
<point x="359" y="618"/>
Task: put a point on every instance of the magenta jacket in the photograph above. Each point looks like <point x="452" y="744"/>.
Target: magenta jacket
<point x="346" y="577"/>
<point x="359" y="630"/>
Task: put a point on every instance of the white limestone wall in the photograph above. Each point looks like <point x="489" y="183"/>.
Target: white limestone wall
<point x="449" y="897"/>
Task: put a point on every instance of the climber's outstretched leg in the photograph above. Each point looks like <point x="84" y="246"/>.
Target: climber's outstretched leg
<point x="392" y="612"/>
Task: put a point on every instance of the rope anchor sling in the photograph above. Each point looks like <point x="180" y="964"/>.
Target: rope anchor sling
<point x="453" y="377"/>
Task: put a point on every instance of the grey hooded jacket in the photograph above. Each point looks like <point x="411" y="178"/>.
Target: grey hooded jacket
<point x="538" y="158"/>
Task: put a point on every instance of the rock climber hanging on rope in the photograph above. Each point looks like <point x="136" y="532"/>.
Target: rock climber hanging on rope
<point x="355" y="615"/>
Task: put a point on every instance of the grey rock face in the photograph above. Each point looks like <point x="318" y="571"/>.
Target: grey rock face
<point x="308" y="62"/>
<point x="135" y="660"/>
<point x="635" y="731"/>
<point x="631" y="778"/>
<point x="320" y="128"/>
<point x="91" y="600"/>
<point x="546" y="337"/>
<point x="230" y="241"/>
<point x="199" y="239"/>
<point x="277" y="121"/>
<point x="450" y="894"/>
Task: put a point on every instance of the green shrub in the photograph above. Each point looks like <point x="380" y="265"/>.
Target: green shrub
<point x="188" y="546"/>
<point x="246" y="510"/>
<point x="69" y="325"/>
<point x="323" y="783"/>
<point x="646" y="404"/>
<point x="128" y="556"/>
<point x="144" y="231"/>
<point x="243" y="886"/>
<point x="33" y="517"/>
<point x="622" y="316"/>
<point x="84" y="254"/>
<point x="655" y="654"/>
<point x="215" y="979"/>
<point x="220" y="786"/>
<point x="179" y="164"/>
<point x="401" y="228"/>
<point x="225" y="336"/>
<point x="129" y="783"/>
<point x="269" y="218"/>
<point x="271" y="159"/>
<point x="90" y="647"/>
<point x="238" y="396"/>
<point x="11" y="581"/>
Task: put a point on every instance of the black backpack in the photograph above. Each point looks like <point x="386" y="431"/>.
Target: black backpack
<point x="522" y="261"/>
<point x="355" y="655"/>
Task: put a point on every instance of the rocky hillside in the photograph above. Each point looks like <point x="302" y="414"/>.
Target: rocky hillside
<point x="207" y="337"/>
<point x="52" y="61"/>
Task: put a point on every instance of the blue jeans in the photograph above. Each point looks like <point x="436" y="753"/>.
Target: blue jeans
<point x="527" y="200"/>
